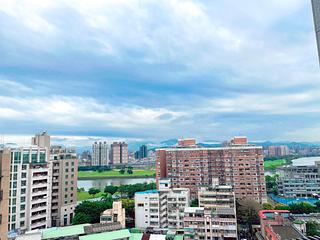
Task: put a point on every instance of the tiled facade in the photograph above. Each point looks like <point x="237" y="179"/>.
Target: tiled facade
<point x="238" y="165"/>
<point x="64" y="185"/>
<point x="119" y="153"/>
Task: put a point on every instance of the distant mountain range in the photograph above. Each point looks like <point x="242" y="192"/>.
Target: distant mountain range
<point x="134" y="146"/>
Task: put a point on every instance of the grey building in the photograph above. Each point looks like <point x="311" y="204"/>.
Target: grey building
<point x="299" y="181"/>
<point x="316" y="17"/>
<point x="100" y="154"/>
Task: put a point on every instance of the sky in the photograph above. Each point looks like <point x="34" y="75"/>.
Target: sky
<point x="159" y="69"/>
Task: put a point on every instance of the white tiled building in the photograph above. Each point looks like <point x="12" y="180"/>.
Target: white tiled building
<point x="30" y="189"/>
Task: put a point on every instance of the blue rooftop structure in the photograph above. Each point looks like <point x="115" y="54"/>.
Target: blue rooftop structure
<point x="148" y="191"/>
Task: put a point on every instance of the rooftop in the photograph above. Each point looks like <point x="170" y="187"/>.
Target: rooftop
<point x="120" y="234"/>
<point x="286" y="232"/>
<point x="148" y="191"/>
<point x="57" y="232"/>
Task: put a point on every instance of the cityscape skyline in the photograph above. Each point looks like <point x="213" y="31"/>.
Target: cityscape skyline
<point x="255" y="74"/>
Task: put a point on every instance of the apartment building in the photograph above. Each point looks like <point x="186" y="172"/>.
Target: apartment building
<point x="100" y="154"/>
<point x="5" y="159"/>
<point x="299" y="181"/>
<point x="161" y="208"/>
<point x="215" y="218"/>
<point x="210" y="224"/>
<point x="277" y="151"/>
<point x="119" y="153"/>
<point x="64" y="185"/>
<point x="30" y="189"/>
<point x="237" y="164"/>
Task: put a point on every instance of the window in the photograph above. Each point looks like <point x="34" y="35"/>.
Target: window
<point x="23" y="191"/>
<point x="22" y="224"/>
<point x="15" y="168"/>
<point x="14" y="193"/>
<point x="17" y="157"/>
<point x="14" y="184"/>
<point x="23" y="175"/>
<point x="22" y="215"/>
<point x="42" y="157"/>
<point x="22" y="207"/>
<point x="23" y="199"/>
<point x="26" y="157"/>
<point x="13" y="210"/>
<point x="34" y="157"/>
<point x="23" y="183"/>
<point x="24" y="167"/>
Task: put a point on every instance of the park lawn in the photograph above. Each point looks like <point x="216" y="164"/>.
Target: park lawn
<point x="81" y="196"/>
<point x="273" y="164"/>
<point x="116" y="173"/>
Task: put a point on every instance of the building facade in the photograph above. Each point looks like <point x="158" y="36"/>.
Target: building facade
<point x="41" y="140"/>
<point x="30" y="189"/>
<point x="119" y="153"/>
<point x="5" y="159"/>
<point x="238" y="164"/>
<point x="100" y="154"/>
<point x="299" y="181"/>
<point x="278" y="151"/>
<point x="316" y="17"/>
<point x="116" y="214"/>
<point x="161" y="208"/>
<point x="64" y="185"/>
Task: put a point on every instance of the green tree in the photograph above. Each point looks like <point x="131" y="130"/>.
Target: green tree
<point x="302" y="207"/>
<point x="107" y="197"/>
<point x="247" y="212"/>
<point x="92" y="210"/>
<point x="313" y="228"/>
<point x="93" y="191"/>
<point x="122" y="171"/>
<point x="81" y="218"/>
<point x="110" y="189"/>
<point x="267" y="206"/>
<point x="129" y="171"/>
<point x="282" y="207"/>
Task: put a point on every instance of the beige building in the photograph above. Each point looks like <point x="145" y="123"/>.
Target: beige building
<point x="41" y="140"/>
<point x="119" y="153"/>
<point x="64" y="185"/>
<point x="4" y="192"/>
<point x="215" y="218"/>
<point x="116" y="214"/>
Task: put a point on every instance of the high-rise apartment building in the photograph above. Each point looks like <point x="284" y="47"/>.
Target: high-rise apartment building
<point x="100" y="154"/>
<point x="5" y="158"/>
<point x="41" y="140"/>
<point x="238" y="164"/>
<point x="119" y="153"/>
<point x="316" y="17"/>
<point x="64" y="185"/>
<point x="30" y="188"/>
<point x="278" y="151"/>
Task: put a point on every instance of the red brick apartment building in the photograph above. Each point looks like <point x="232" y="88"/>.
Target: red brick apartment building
<point x="238" y="164"/>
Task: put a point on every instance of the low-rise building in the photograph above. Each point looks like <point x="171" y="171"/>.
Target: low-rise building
<point x="299" y="181"/>
<point x="116" y="214"/>
<point x="276" y="225"/>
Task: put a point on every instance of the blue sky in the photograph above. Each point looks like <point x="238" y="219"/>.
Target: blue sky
<point x="159" y="69"/>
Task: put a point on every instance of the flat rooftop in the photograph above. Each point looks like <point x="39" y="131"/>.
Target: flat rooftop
<point x="286" y="232"/>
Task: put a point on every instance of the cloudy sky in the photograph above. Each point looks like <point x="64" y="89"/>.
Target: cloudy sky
<point x="159" y="69"/>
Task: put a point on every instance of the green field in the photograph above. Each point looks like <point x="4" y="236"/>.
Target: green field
<point x="85" y="195"/>
<point x="273" y="164"/>
<point x="116" y="173"/>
